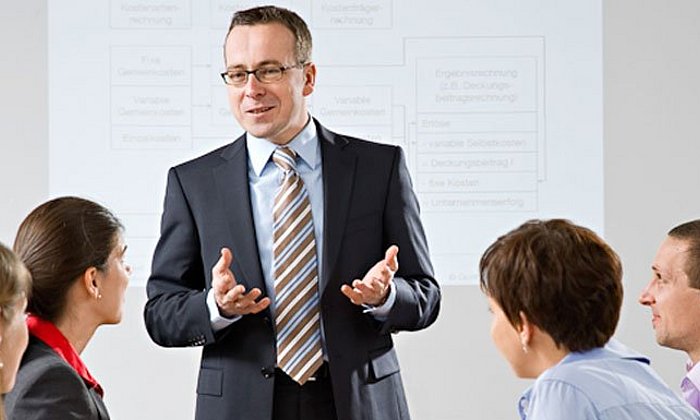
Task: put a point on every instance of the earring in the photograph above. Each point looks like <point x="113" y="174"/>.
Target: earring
<point x="99" y="296"/>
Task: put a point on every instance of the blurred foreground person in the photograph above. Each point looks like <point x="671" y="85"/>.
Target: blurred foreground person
<point x="14" y="285"/>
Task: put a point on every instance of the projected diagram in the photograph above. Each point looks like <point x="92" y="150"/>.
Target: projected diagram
<point x="469" y="111"/>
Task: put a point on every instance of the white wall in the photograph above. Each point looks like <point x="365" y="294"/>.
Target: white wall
<point x="23" y="112"/>
<point x="651" y="103"/>
<point x="652" y="100"/>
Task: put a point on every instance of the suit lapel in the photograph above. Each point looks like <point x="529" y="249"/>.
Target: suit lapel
<point x="231" y="179"/>
<point x="338" y="175"/>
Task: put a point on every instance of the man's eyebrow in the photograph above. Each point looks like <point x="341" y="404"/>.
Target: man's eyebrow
<point x="257" y="65"/>
<point x="657" y="270"/>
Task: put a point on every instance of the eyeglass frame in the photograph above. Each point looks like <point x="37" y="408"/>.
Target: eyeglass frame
<point x="254" y="72"/>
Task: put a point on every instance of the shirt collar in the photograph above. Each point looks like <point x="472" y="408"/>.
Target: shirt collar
<point x="52" y="337"/>
<point x="305" y="144"/>
<point x="693" y="373"/>
<point x="524" y="404"/>
<point x="612" y="350"/>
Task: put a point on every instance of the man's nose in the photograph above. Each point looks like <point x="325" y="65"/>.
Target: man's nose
<point x="253" y="86"/>
<point x="646" y="298"/>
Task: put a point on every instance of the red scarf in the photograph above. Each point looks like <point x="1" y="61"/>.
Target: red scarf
<point x="52" y="337"/>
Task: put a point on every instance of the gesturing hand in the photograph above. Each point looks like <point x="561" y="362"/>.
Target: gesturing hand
<point x="373" y="289"/>
<point x="230" y="296"/>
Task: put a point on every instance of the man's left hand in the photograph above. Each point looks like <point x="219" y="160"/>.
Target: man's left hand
<point x="374" y="287"/>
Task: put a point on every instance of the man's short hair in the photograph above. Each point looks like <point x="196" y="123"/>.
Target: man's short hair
<point x="689" y="232"/>
<point x="563" y="277"/>
<point x="273" y="14"/>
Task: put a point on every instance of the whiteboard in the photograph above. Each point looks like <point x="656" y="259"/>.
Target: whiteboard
<point x="498" y="106"/>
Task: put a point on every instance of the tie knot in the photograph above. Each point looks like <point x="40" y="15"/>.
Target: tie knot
<point x="285" y="159"/>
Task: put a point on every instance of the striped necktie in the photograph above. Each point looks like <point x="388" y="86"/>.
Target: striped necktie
<point x="297" y="317"/>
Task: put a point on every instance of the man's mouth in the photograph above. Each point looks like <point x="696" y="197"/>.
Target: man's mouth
<point x="259" y="110"/>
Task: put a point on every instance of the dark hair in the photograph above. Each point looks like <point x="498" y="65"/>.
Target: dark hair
<point x="57" y="242"/>
<point x="273" y="14"/>
<point x="563" y="277"/>
<point x="690" y="233"/>
<point x="15" y="282"/>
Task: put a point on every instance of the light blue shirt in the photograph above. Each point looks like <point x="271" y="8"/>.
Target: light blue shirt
<point x="264" y="178"/>
<point x="607" y="383"/>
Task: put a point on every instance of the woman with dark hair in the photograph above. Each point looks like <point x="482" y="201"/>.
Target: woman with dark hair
<point x="74" y="250"/>
<point x="14" y="285"/>
<point x="555" y="290"/>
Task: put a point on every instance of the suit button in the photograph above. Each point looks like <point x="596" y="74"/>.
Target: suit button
<point x="266" y="320"/>
<point x="267" y="372"/>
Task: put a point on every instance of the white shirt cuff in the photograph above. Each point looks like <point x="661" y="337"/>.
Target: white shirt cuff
<point x="218" y="321"/>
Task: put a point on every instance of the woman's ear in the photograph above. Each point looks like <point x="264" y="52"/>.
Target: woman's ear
<point x="90" y="282"/>
<point x="525" y="331"/>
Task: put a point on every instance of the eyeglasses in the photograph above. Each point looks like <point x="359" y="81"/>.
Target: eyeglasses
<point x="264" y="74"/>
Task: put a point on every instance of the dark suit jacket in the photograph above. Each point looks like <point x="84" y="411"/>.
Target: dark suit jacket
<point x="48" y="388"/>
<point x="369" y="205"/>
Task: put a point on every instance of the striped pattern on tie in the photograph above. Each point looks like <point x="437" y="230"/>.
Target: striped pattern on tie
<point x="297" y="318"/>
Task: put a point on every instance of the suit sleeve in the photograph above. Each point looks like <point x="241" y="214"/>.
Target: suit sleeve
<point x="54" y="393"/>
<point x="176" y="313"/>
<point x="417" y="292"/>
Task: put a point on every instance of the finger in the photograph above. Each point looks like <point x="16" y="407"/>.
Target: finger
<point x="351" y="294"/>
<point x="250" y="297"/>
<point x="235" y="293"/>
<point x="391" y="258"/>
<point x="222" y="277"/>
<point x="224" y="262"/>
<point x="259" y="306"/>
<point x="247" y="304"/>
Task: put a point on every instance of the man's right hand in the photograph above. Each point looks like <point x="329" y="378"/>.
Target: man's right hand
<point x="230" y="296"/>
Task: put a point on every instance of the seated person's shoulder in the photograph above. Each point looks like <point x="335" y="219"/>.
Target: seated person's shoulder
<point x="43" y="369"/>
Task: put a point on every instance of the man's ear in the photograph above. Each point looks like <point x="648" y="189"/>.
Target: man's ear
<point x="90" y="282"/>
<point x="309" y="78"/>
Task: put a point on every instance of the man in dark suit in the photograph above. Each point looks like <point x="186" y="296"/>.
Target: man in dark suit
<point x="279" y="253"/>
